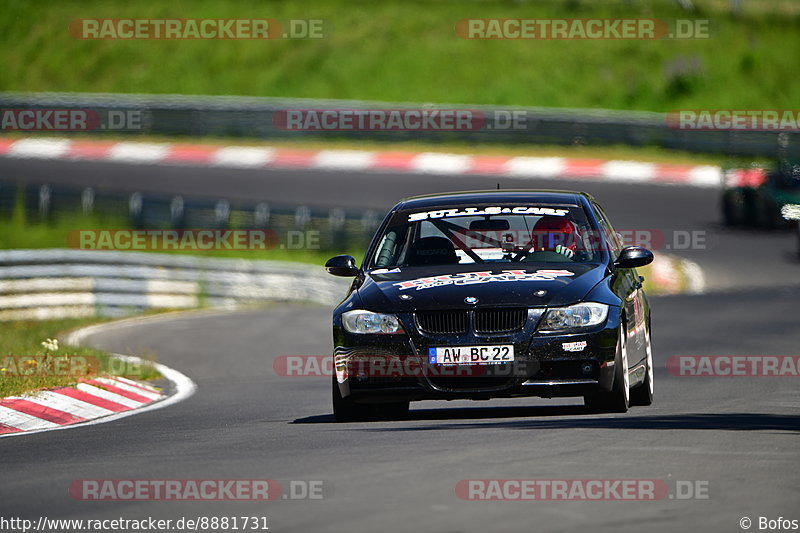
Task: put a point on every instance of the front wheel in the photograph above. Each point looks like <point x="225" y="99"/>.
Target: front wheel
<point x="643" y="394"/>
<point x="767" y="214"/>
<point x="346" y="410"/>
<point x="617" y="400"/>
<point x="733" y="208"/>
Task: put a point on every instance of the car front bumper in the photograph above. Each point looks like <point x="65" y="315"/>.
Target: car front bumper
<point x="387" y="368"/>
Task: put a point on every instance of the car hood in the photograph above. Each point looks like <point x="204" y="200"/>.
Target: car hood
<point x="453" y="287"/>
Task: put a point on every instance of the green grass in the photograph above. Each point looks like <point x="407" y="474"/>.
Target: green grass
<point x="38" y="235"/>
<point x="407" y="50"/>
<point x="48" y="369"/>
<point x="18" y="232"/>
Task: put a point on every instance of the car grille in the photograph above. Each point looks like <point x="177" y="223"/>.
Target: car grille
<point x="499" y="320"/>
<point x="484" y="321"/>
<point x="442" y="321"/>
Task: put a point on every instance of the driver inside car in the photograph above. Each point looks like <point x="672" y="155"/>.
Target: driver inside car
<point x="554" y="235"/>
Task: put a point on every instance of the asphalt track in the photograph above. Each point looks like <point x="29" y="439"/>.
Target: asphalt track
<point x="737" y="434"/>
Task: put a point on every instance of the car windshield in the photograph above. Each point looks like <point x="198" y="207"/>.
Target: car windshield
<point x="488" y="234"/>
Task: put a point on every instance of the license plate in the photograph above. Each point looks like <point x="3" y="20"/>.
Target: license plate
<point x="471" y="355"/>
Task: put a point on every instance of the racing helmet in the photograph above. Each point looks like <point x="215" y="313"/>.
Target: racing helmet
<point x="555" y="234"/>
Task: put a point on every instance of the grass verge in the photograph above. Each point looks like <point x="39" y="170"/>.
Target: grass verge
<point x="408" y="50"/>
<point x="669" y="274"/>
<point x="26" y="365"/>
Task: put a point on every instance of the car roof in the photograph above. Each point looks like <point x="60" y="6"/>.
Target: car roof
<point x="501" y="196"/>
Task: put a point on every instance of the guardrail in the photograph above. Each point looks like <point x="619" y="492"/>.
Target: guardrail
<point x="229" y="116"/>
<point x="57" y="283"/>
<point x="291" y="226"/>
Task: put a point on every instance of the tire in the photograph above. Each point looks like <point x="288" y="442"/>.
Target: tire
<point x="643" y="394"/>
<point x="733" y="209"/>
<point x="766" y="213"/>
<point x="617" y="400"/>
<point x="750" y="207"/>
<point x="346" y="410"/>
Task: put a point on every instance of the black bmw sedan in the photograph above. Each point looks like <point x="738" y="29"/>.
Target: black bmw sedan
<point x="490" y="294"/>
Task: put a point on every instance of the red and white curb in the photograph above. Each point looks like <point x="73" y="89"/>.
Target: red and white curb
<point x="358" y="160"/>
<point x="89" y="399"/>
<point x="90" y="402"/>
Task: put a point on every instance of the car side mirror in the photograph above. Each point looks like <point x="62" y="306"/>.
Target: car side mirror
<point x="634" y="257"/>
<point x="342" y="265"/>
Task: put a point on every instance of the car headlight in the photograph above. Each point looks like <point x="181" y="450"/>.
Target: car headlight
<point x="578" y="316"/>
<point x="360" y="321"/>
